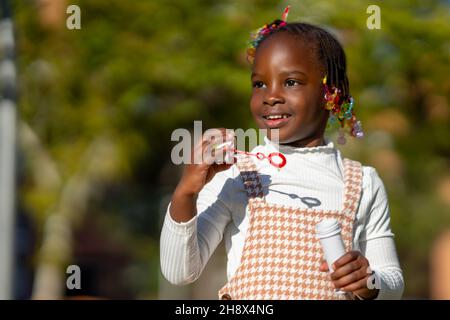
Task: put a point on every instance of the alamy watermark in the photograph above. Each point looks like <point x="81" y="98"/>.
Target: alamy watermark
<point x="73" y="22"/>
<point x="215" y="141"/>
<point x="374" y="20"/>
<point x="74" y="279"/>
<point x="373" y="281"/>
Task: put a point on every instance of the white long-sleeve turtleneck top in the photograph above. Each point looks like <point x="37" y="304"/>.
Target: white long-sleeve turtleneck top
<point x="312" y="177"/>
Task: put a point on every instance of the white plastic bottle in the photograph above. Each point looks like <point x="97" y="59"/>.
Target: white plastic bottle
<point x="329" y="233"/>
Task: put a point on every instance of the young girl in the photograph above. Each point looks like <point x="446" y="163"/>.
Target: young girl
<point x="267" y="215"/>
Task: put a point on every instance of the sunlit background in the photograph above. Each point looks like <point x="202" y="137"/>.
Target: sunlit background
<point x="95" y="109"/>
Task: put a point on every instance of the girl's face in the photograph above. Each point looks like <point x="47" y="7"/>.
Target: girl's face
<point x="287" y="90"/>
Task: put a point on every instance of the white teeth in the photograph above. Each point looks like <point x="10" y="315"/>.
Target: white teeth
<point x="278" y="116"/>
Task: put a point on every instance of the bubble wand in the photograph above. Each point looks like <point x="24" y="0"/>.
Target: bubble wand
<point x="276" y="159"/>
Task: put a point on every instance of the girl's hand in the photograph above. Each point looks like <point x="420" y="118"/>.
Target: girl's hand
<point x="206" y="152"/>
<point x="351" y="274"/>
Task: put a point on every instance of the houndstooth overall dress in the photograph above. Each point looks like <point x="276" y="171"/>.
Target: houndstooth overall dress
<point x="281" y="255"/>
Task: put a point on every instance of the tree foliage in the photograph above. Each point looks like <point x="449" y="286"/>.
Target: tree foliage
<point x="139" y="69"/>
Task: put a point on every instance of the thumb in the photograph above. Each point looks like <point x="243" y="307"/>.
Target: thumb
<point x="216" y="168"/>
<point x="223" y="166"/>
<point x="324" y="266"/>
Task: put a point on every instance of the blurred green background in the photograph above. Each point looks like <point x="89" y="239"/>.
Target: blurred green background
<point x="97" y="107"/>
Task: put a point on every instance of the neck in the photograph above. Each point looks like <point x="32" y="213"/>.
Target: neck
<point x="307" y="142"/>
<point x="316" y="139"/>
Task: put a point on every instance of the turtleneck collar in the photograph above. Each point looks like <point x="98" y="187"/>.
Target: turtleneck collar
<point x="328" y="147"/>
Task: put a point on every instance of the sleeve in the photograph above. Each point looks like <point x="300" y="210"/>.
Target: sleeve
<point x="377" y="218"/>
<point x="185" y="248"/>
<point x="377" y="241"/>
<point x="387" y="276"/>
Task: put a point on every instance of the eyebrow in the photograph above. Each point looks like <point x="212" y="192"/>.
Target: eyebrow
<point x="294" y="72"/>
<point x="290" y="72"/>
<point x="253" y="75"/>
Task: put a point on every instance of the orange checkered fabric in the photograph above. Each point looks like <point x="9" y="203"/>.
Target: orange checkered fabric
<point x="281" y="255"/>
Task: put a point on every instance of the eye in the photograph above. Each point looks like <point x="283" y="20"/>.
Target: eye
<point x="258" y="84"/>
<point x="292" y="83"/>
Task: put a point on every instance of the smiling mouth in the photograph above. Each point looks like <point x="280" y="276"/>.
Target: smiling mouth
<point x="276" y="120"/>
<point x="277" y="116"/>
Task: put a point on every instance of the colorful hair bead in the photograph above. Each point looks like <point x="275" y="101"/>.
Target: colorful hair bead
<point x="341" y="112"/>
<point x="258" y="35"/>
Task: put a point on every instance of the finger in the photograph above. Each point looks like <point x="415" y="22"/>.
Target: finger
<point x="230" y="157"/>
<point x="214" y="155"/>
<point x="346" y="258"/>
<point x="358" y="285"/>
<point x="203" y="151"/>
<point x="224" y="151"/>
<point x="200" y="150"/>
<point x="218" y="135"/>
<point x="346" y="269"/>
<point x="230" y="135"/>
<point x="350" y="278"/>
<point x="324" y="266"/>
<point x="214" y="134"/>
<point x="214" y="169"/>
<point x="209" y="155"/>
<point x="226" y="142"/>
<point x="210" y="139"/>
<point x="220" y="152"/>
<point x="221" y="167"/>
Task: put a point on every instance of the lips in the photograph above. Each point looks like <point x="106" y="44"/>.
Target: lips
<point x="276" y="120"/>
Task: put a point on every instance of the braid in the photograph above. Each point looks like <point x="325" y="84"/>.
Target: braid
<point x="329" y="51"/>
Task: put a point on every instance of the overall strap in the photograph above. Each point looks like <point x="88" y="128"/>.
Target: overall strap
<point x="249" y="174"/>
<point x="352" y="187"/>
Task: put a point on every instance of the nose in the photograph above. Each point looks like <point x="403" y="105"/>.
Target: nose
<point x="272" y="97"/>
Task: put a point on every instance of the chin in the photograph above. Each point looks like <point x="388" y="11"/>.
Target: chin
<point x="289" y="139"/>
<point x="281" y="139"/>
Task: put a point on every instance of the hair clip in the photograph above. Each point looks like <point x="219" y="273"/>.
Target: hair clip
<point x="259" y="34"/>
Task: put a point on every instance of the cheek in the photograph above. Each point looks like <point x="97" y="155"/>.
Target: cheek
<point x="311" y="102"/>
<point x="300" y="102"/>
<point x="254" y="103"/>
<point x="319" y="96"/>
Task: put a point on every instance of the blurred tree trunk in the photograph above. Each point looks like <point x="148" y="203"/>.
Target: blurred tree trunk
<point x="55" y="254"/>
